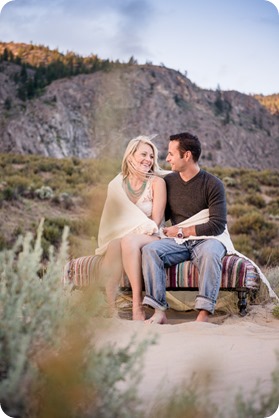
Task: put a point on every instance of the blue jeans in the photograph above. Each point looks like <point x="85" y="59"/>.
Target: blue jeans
<point x="205" y="254"/>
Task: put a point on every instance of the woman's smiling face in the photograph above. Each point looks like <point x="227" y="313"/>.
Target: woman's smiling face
<point x="144" y="158"/>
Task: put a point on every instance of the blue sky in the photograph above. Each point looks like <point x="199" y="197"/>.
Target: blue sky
<point x="228" y="43"/>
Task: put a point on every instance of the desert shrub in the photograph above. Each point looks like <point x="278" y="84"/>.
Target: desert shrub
<point x="8" y="194"/>
<point x="223" y="172"/>
<point x="52" y="233"/>
<point x="254" y="224"/>
<point x="239" y="209"/>
<point x="18" y="183"/>
<point x="244" y="245"/>
<point x="68" y="175"/>
<point x="53" y="229"/>
<point x="65" y="200"/>
<point x="256" y="200"/>
<point x="269" y="178"/>
<point x="50" y="366"/>
<point x="84" y="226"/>
<point x="27" y="317"/>
<point x="268" y="256"/>
<point x="18" y="230"/>
<point x="272" y="191"/>
<point x="249" y="181"/>
<point x="44" y="193"/>
<point x="273" y="206"/>
<point x="49" y="165"/>
<point x="230" y="181"/>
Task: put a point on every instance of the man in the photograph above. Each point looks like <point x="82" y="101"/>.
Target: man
<point x="196" y="206"/>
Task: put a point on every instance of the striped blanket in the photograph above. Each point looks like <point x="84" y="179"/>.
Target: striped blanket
<point x="237" y="272"/>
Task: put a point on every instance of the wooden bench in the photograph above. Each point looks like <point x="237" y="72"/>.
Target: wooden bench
<point x="238" y="274"/>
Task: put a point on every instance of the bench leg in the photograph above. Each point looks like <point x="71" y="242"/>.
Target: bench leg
<point x="242" y="302"/>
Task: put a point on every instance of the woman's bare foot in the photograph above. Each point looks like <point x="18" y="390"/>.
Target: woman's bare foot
<point x="159" y="317"/>
<point x="138" y="313"/>
<point x="202" y="316"/>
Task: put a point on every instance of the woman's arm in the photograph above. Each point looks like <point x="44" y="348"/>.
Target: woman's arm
<point x="159" y="200"/>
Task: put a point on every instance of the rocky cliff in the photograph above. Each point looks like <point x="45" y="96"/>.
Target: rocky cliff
<point x="92" y="115"/>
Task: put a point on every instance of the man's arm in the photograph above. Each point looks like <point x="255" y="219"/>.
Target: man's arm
<point x="217" y="209"/>
<point x="216" y="203"/>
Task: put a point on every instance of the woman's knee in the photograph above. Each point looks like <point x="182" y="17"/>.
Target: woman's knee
<point x="129" y="243"/>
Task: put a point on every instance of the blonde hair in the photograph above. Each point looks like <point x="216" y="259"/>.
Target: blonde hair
<point x="127" y="165"/>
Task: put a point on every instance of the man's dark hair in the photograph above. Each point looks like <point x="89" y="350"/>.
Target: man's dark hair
<point x="188" y="142"/>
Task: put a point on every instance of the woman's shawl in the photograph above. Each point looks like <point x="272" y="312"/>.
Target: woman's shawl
<point x="121" y="217"/>
<point x="203" y="217"/>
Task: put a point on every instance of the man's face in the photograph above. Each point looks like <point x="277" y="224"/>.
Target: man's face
<point x="174" y="159"/>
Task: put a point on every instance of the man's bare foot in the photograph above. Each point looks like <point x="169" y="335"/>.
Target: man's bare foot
<point x="159" y="317"/>
<point x="202" y="316"/>
<point x="138" y="313"/>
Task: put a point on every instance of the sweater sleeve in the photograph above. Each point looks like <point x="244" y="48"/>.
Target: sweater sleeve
<point x="215" y="195"/>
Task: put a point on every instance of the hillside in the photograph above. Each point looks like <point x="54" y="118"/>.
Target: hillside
<point x="94" y="113"/>
<point x="271" y="102"/>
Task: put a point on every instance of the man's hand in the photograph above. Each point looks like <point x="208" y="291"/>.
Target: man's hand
<point x="171" y="231"/>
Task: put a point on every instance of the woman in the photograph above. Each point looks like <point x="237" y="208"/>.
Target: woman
<point x="132" y="215"/>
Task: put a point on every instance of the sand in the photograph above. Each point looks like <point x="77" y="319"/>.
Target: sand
<point x="227" y="355"/>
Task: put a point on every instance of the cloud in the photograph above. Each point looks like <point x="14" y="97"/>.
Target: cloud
<point x="110" y="28"/>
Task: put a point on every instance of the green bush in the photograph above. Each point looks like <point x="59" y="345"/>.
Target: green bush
<point x="269" y="178"/>
<point x="272" y="191"/>
<point x="256" y="200"/>
<point x="230" y="182"/>
<point x="254" y="224"/>
<point x="249" y="181"/>
<point x="273" y="206"/>
<point x="239" y="209"/>
<point x="8" y="194"/>
<point x="244" y="244"/>
<point x="18" y="183"/>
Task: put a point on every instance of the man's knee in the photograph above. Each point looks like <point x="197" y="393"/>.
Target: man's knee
<point x="212" y="248"/>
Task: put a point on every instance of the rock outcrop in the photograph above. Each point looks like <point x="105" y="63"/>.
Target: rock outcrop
<point x="95" y="115"/>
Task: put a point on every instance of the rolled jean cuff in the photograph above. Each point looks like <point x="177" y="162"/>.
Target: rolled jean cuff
<point x="203" y="303"/>
<point x="149" y="300"/>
